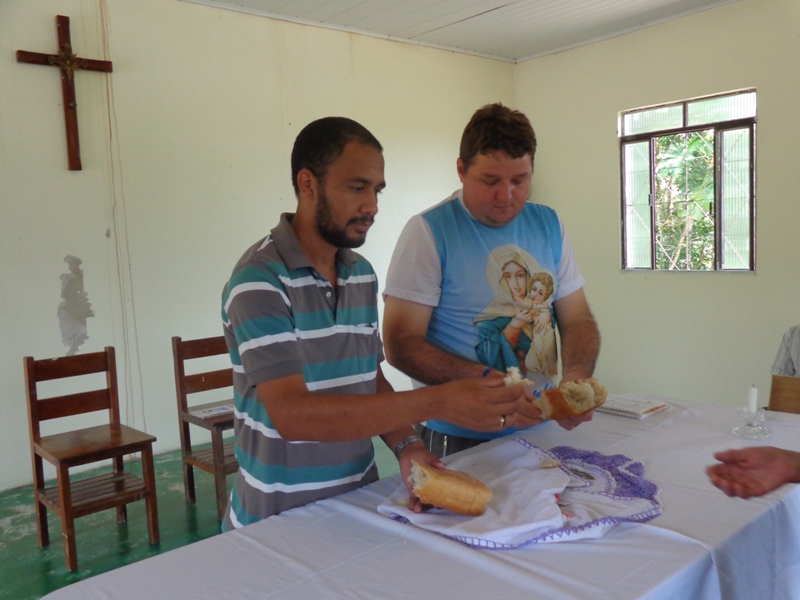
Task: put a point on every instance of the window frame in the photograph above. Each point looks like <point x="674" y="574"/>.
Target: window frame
<point x="719" y="127"/>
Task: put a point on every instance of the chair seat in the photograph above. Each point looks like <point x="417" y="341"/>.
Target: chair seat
<point x="91" y="444"/>
<point x="97" y="493"/>
<point x="204" y="459"/>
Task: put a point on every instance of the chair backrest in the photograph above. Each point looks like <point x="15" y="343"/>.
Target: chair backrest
<point x="55" y="407"/>
<point x="198" y="382"/>
<point x="784" y="394"/>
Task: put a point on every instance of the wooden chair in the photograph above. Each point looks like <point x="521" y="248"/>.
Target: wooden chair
<point x="219" y="459"/>
<point x="73" y="499"/>
<point x="784" y="394"/>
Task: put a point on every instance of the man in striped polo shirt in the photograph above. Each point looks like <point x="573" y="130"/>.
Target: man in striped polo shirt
<point x="301" y="323"/>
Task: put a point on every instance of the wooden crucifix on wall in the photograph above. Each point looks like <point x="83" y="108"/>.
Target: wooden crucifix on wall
<point x="68" y="63"/>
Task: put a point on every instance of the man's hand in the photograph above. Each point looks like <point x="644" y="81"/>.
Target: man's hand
<point x="529" y="415"/>
<point x="570" y="423"/>
<point x="418" y="453"/>
<point x="754" y="471"/>
<point x="486" y="404"/>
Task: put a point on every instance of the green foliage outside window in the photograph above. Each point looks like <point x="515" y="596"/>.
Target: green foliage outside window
<point x="684" y="201"/>
<point x="687" y="185"/>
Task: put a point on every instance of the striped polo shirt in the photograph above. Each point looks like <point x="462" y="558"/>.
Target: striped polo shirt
<point x="281" y="317"/>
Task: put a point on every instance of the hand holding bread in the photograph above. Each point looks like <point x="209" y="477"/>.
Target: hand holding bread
<point x="452" y="490"/>
<point x="479" y="404"/>
<point x="569" y="399"/>
<point x="415" y="453"/>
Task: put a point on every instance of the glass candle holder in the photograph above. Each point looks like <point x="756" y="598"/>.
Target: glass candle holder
<point x="751" y="427"/>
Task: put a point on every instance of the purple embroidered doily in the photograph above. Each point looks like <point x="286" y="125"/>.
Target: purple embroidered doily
<point x="627" y="474"/>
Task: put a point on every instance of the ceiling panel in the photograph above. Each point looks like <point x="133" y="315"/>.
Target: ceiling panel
<point x="504" y="29"/>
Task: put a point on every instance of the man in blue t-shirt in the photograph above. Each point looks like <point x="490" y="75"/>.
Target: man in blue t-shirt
<point x="480" y="282"/>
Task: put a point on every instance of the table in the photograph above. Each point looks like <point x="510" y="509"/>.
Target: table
<point x="705" y="545"/>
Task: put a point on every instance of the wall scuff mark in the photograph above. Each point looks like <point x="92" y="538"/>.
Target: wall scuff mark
<point x="75" y="307"/>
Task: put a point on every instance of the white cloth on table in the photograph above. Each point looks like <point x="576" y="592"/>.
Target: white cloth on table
<point x="342" y="548"/>
<point x="595" y="492"/>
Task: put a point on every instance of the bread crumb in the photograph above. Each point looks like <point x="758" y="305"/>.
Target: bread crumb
<point x="549" y="463"/>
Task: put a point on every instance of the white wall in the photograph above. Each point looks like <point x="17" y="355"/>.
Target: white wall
<point x="185" y="151"/>
<point x="708" y="336"/>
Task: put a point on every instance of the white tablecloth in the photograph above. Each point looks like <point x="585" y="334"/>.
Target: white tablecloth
<point x="705" y="545"/>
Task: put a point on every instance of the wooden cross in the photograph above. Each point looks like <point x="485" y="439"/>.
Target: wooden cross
<point x="68" y="63"/>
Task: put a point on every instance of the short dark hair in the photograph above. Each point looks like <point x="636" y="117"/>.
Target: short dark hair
<point x="497" y="128"/>
<point x="322" y="141"/>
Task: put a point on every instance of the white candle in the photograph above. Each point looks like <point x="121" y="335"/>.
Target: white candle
<point x="752" y="400"/>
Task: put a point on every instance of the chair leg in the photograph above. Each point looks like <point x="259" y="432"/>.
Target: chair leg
<point x="217" y="446"/>
<point x="151" y="503"/>
<point x="41" y="510"/>
<point x="67" y="519"/>
<point x="188" y="470"/>
<point x="188" y="482"/>
<point x="122" y="511"/>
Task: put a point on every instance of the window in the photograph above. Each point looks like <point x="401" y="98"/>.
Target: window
<point x="688" y="175"/>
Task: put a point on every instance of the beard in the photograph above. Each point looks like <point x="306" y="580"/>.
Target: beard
<point x="333" y="234"/>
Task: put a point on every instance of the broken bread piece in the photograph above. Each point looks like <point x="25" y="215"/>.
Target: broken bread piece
<point x="571" y="398"/>
<point x="448" y="489"/>
<point x="514" y="377"/>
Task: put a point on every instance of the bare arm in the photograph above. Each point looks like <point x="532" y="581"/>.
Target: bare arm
<point x="336" y="417"/>
<point x="405" y="325"/>
<point x="394" y="437"/>
<point x="299" y="414"/>
<point x="580" y="338"/>
<point x="580" y="345"/>
<point x="415" y="451"/>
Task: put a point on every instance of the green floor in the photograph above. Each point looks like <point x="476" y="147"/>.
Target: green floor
<point x="29" y="572"/>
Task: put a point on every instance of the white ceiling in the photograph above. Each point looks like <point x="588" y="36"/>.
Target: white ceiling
<point x="512" y="30"/>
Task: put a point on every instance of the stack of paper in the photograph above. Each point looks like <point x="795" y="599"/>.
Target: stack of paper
<point x="635" y="408"/>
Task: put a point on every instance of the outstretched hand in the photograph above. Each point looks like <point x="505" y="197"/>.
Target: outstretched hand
<point x="754" y="471"/>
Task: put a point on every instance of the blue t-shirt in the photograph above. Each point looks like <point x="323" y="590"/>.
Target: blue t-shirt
<point x="490" y="276"/>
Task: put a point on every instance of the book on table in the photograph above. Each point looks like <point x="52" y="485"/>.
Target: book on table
<point x="635" y="408"/>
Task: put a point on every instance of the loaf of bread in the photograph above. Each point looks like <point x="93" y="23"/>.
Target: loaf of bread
<point x="571" y="398"/>
<point x="448" y="489"/>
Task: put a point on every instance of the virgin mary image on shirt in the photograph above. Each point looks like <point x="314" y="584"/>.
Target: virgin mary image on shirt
<point x="516" y="329"/>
